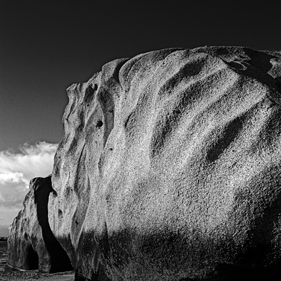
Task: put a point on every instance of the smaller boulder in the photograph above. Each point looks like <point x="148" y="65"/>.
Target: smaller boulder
<point x="31" y="243"/>
<point x="26" y="247"/>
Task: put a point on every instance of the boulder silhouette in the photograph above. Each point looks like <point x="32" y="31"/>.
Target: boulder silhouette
<point x="169" y="168"/>
<point x="31" y="243"/>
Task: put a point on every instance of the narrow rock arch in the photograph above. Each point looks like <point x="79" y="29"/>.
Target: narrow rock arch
<point x="32" y="258"/>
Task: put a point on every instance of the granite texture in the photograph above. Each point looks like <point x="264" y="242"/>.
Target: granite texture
<point x="169" y="168"/>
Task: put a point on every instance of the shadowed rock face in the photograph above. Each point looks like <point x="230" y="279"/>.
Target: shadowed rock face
<point x="31" y="243"/>
<point x="169" y="168"/>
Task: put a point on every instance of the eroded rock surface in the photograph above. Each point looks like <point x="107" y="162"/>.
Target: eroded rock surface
<point x="169" y="168"/>
<point x="31" y="243"/>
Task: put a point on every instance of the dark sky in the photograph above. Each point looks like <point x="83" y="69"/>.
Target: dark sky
<point x="45" y="46"/>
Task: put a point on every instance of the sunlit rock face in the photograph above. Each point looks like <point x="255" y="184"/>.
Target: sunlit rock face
<point x="31" y="243"/>
<point x="169" y="168"/>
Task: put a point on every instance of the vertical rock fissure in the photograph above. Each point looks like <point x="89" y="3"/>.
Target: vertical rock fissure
<point x="59" y="259"/>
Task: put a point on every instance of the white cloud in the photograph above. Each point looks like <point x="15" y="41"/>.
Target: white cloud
<point x="17" y="169"/>
<point x="11" y="177"/>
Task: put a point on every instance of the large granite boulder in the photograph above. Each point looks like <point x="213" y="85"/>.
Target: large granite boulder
<point x="31" y="243"/>
<point x="169" y="168"/>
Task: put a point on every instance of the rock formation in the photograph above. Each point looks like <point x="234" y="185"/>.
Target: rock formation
<point x="31" y="243"/>
<point x="169" y="168"/>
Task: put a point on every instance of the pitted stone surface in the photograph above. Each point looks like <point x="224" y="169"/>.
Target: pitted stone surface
<point x="169" y="167"/>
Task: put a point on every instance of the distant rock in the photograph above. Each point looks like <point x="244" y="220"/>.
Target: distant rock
<point x="31" y="243"/>
<point x="169" y="168"/>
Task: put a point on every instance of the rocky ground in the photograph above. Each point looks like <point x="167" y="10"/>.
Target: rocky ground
<point x="35" y="275"/>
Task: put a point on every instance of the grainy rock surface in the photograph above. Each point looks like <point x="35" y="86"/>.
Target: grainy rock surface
<point x="31" y="243"/>
<point x="169" y="168"/>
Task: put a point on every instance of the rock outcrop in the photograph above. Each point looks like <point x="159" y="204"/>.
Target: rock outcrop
<point x="31" y="243"/>
<point x="169" y="168"/>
